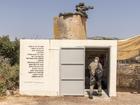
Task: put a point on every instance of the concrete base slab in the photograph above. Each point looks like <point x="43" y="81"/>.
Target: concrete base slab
<point x="95" y="95"/>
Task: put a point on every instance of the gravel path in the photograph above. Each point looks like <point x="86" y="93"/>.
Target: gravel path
<point x="123" y="98"/>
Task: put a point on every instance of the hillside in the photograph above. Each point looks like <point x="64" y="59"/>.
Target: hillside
<point x="129" y="48"/>
<point x="102" y="38"/>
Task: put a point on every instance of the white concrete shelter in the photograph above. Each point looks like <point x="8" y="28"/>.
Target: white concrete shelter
<point x="57" y="67"/>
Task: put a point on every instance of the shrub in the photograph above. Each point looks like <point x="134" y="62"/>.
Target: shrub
<point x="9" y="76"/>
<point x="9" y="64"/>
<point x="9" y="49"/>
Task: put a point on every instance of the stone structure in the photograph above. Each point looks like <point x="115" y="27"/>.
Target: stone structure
<point x="72" y="25"/>
<point x="128" y="76"/>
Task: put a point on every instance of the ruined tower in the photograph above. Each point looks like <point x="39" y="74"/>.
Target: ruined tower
<point x="72" y="25"/>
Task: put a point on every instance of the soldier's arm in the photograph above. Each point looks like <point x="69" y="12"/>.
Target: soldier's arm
<point x="89" y="67"/>
<point x="100" y="66"/>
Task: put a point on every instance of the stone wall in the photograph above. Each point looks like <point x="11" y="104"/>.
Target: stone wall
<point x="70" y="27"/>
<point x="128" y="75"/>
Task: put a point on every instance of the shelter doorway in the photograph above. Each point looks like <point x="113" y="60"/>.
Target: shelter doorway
<point x="103" y="54"/>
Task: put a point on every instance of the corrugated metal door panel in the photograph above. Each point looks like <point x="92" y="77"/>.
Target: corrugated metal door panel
<point x="72" y="56"/>
<point x="72" y="87"/>
<point x="72" y="71"/>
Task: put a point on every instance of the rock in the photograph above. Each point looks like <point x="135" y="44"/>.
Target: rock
<point x="9" y="92"/>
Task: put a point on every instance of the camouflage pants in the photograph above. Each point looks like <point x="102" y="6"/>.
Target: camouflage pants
<point x="93" y="82"/>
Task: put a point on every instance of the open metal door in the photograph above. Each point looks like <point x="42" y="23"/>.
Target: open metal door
<point x="72" y="71"/>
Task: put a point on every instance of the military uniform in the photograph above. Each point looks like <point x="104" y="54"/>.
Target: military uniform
<point x="95" y="76"/>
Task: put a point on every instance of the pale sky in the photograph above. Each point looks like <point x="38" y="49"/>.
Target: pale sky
<point x="34" y="18"/>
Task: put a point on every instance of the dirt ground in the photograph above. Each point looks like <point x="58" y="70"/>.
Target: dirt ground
<point x="123" y="98"/>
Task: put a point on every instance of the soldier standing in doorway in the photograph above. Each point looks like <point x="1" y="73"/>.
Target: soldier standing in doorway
<point x="96" y="73"/>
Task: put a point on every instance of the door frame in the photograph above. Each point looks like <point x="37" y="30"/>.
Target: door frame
<point x="108" y="75"/>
